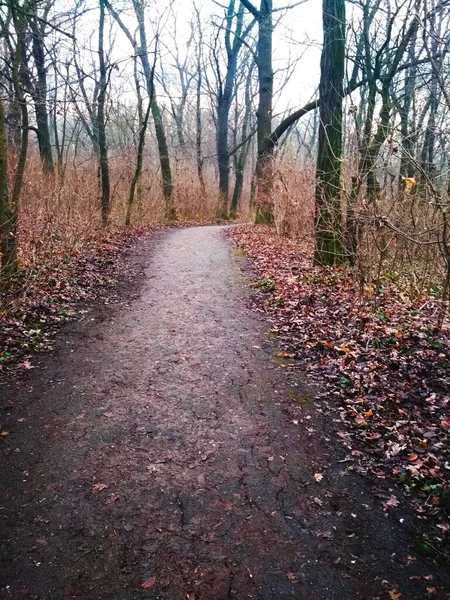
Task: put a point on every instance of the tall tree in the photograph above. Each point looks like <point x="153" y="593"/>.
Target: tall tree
<point x="141" y="50"/>
<point x="235" y="37"/>
<point x="328" y="227"/>
<point x="38" y="88"/>
<point x="7" y="217"/>
<point x="101" y="122"/>
<point x="264" y="162"/>
<point x="264" y="174"/>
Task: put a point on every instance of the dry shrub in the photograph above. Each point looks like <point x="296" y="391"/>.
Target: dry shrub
<point x="190" y="202"/>
<point x="294" y="199"/>
<point x="61" y="216"/>
<point x="402" y="238"/>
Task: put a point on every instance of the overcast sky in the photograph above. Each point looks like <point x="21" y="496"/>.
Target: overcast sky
<point x="297" y="36"/>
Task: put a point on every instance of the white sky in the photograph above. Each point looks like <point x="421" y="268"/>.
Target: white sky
<point x="298" y="34"/>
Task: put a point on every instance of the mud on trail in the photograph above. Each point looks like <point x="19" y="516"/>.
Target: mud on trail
<point x="162" y="442"/>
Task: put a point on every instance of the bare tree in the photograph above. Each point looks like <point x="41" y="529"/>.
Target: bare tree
<point x="101" y="121"/>
<point x="141" y="49"/>
<point x="329" y="247"/>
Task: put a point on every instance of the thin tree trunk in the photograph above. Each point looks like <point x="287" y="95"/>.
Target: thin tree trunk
<point x="164" y="159"/>
<point x="101" y="124"/>
<point x="241" y="159"/>
<point x="407" y="156"/>
<point x="224" y="102"/>
<point x="7" y="217"/>
<point x="18" y="64"/>
<point x="139" y="161"/>
<point x="198" y="130"/>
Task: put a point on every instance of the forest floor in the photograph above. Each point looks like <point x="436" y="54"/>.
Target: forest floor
<point x="166" y="449"/>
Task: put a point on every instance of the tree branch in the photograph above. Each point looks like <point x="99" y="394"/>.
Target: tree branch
<point x="251" y="9"/>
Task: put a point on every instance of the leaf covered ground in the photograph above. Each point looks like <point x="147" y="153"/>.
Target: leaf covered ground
<point x="35" y="304"/>
<point x="381" y="365"/>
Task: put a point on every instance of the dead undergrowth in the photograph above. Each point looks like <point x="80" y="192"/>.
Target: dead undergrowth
<point x="384" y="366"/>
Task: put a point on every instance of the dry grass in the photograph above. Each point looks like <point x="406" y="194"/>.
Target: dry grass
<point x="402" y="237"/>
<point x="61" y="216"/>
<point x="294" y="199"/>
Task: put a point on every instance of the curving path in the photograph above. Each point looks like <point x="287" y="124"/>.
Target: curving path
<point x="162" y="439"/>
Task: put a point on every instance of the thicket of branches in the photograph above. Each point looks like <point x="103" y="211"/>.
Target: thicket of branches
<point x="119" y="113"/>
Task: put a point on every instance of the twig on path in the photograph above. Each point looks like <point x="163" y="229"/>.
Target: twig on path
<point x="85" y="554"/>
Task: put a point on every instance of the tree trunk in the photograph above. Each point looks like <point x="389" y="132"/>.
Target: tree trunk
<point x="40" y="95"/>
<point x="407" y="168"/>
<point x="7" y="217"/>
<point x="198" y="129"/>
<point x="166" y="172"/>
<point x="138" y="168"/>
<point x="19" y="17"/>
<point x="427" y="158"/>
<point x="328" y="226"/>
<point x="225" y="99"/>
<point x="241" y="158"/>
<point x="223" y="159"/>
<point x="264" y="164"/>
<point x="101" y="124"/>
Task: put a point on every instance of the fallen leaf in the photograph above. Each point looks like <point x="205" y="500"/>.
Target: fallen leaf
<point x="373" y="436"/>
<point x="395" y="595"/>
<point x="391" y="503"/>
<point x="360" y="420"/>
<point x="112" y="498"/>
<point x="318" y="477"/>
<point x="149" y="583"/>
<point x="318" y="501"/>
<point x="412" y="457"/>
<point x="445" y="422"/>
<point x="99" y="487"/>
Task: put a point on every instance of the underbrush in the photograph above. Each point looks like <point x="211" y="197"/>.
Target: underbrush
<point x="65" y="254"/>
<point x="43" y="295"/>
<point x="384" y="365"/>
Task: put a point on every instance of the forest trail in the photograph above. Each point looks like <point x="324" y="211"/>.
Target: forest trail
<point x="162" y="442"/>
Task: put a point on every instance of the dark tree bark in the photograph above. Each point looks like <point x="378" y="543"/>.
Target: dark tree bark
<point x="264" y="164"/>
<point x="20" y="20"/>
<point x="328" y="227"/>
<point x="240" y="157"/>
<point x="139" y="162"/>
<point x="198" y="130"/>
<point x="39" y="91"/>
<point x="101" y="123"/>
<point x="9" y="207"/>
<point x="7" y="217"/>
<point x="407" y="124"/>
<point x="234" y="39"/>
<point x="164" y="159"/>
<point x="427" y="155"/>
<point x="142" y="50"/>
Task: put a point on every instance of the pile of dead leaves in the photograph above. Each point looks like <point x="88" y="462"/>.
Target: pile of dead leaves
<point x="383" y="365"/>
<point x="34" y="305"/>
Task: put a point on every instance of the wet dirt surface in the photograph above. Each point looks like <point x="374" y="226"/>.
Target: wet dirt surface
<point x="162" y="439"/>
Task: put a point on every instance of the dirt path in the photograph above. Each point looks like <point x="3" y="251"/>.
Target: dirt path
<point x="161" y="439"/>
